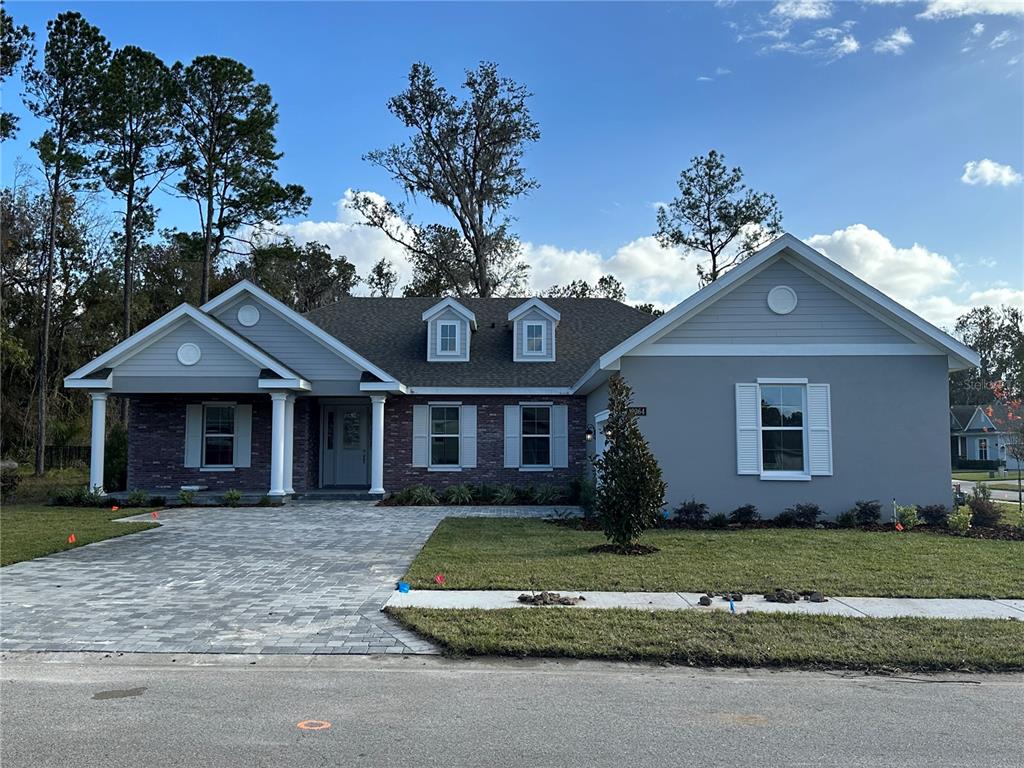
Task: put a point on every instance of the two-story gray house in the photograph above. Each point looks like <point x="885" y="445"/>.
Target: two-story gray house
<point x="774" y="385"/>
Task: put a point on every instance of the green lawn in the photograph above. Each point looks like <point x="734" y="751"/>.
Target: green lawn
<point x="1011" y="512"/>
<point x="721" y="639"/>
<point x="982" y="475"/>
<point x="516" y="553"/>
<point x="28" y="530"/>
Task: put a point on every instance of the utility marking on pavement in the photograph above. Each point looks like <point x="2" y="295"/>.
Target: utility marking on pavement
<point x="738" y="718"/>
<point x="119" y="694"/>
<point x="313" y="725"/>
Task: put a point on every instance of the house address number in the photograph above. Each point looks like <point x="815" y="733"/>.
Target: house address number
<point x="639" y="410"/>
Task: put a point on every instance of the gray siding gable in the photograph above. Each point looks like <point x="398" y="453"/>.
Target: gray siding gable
<point x="448" y="315"/>
<point x="292" y="346"/>
<point x="159" y="359"/>
<point x="534" y="316"/>
<point x="822" y="315"/>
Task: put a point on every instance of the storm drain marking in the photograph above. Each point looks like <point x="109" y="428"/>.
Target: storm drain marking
<point x="313" y="725"/>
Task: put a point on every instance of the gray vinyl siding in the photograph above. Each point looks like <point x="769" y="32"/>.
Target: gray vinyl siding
<point x="463" y="340"/>
<point x="160" y="359"/>
<point x="292" y="346"/>
<point x="821" y="315"/>
<point x="139" y="385"/>
<point x="520" y="337"/>
<point x="879" y="452"/>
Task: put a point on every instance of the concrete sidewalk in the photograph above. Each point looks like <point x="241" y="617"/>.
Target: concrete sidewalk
<point x="878" y="607"/>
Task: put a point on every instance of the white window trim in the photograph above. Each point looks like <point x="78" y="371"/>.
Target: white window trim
<point x="600" y="439"/>
<point x="442" y="324"/>
<point x="431" y="466"/>
<point x="775" y="474"/>
<point x="203" y="466"/>
<point x="980" y="441"/>
<point x="527" y="324"/>
<point x="522" y="451"/>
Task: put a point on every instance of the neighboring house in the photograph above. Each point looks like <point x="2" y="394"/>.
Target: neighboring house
<point x="975" y="436"/>
<point x="772" y="386"/>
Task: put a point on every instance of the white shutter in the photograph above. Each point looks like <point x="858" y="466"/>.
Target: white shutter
<point x="512" y="427"/>
<point x="243" y="436"/>
<point x="467" y="436"/>
<point x="559" y="436"/>
<point x="193" y="435"/>
<point x="420" y="435"/>
<point x="747" y="439"/>
<point x="819" y="429"/>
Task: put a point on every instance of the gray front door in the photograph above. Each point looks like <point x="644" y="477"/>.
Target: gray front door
<point x="344" y="445"/>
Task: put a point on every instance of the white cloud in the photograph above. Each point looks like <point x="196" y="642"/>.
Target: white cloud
<point x="896" y="42"/>
<point x="802" y="9"/>
<point x="1003" y="38"/>
<point x="988" y="172"/>
<point x="704" y="79"/>
<point x="977" y="29"/>
<point x="844" y="47"/>
<point x="949" y="9"/>
<point x="722" y="71"/>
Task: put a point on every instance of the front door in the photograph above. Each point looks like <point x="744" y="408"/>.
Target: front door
<point x="344" y="445"/>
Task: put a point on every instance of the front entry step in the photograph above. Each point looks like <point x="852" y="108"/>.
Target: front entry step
<point x="336" y="495"/>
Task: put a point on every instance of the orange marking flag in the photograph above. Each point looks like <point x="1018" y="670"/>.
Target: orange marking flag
<point x="72" y="539"/>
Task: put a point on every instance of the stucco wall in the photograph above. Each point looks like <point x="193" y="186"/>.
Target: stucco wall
<point x="890" y="428"/>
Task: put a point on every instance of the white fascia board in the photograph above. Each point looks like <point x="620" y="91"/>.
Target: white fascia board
<point x="383" y="386"/>
<point x="291" y="316"/>
<point x="490" y="390"/>
<point x="537" y="304"/>
<point x="104" y="383"/>
<point x="295" y="383"/>
<point x="454" y="306"/>
<point x="168" y="322"/>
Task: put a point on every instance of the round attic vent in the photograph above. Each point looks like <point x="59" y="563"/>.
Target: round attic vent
<point x="248" y="315"/>
<point x="781" y="299"/>
<point x="189" y="353"/>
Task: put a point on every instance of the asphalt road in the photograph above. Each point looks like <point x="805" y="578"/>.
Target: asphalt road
<point x="74" y="710"/>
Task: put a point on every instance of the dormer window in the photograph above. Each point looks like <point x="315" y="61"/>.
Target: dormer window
<point x="449" y="331"/>
<point x="533" y="332"/>
<point x="447" y="337"/>
<point x="535" y="341"/>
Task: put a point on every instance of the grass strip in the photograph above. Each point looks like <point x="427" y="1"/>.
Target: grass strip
<point x="30" y="531"/>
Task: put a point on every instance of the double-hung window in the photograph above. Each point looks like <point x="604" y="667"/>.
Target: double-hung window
<point x="782" y="428"/>
<point x="447" y="337"/>
<point x="444" y="435"/>
<point x="535" y="341"/>
<point x="983" y="448"/>
<point x="536" y="435"/>
<point x="218" y="435"/>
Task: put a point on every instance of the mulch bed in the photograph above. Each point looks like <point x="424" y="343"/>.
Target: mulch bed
<point x="549" y="598"/>
<point x="614" y="549"/>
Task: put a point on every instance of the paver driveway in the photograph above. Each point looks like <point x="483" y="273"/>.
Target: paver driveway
<point x="306" y="578"/>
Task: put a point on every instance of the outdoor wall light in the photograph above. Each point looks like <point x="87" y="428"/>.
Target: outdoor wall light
<point x="589" y="434"/>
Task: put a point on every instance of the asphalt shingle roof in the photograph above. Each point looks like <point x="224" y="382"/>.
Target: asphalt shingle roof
<point x="391" y="334"/>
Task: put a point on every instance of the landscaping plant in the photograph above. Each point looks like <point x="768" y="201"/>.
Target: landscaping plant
<point x="137" y="498"/>
<point x="799" y="516"/>
<point x="867" y="512"/>
<point x="232" y="497"/>
<point x="934" y="514"/>
<point x="630" y="488"/>
<point x="960" y="520"/>
<point x="984" y="511"/>
<point x="458" y="494"/>
<point x="719" y="520"/>
<point x="744" y="515"/>
<point x="505" y="495"/>
<point x="187" y="498"/>
<point x="692" y="513"/>
<point x="907" y="516"/>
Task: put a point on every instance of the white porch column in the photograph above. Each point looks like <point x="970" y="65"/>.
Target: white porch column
<point x="99" y="436"/>
<point x="289" y="443"/>
<point x="277" y="441"/>
<point x="377" y="443"/>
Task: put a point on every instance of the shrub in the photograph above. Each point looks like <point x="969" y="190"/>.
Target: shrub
<point x="9" y="480"/>
<point x="187" y="498"/>
<point x="984" y="512"/>
<point x="718" y="520"/>
<point x="630" y="489"/>
<point x="934" y="514"/>
<point x="547" y="494"/>
<point x="744" y="515"/>
<point x="458" y="494"/>
<point x="867" y="512"/>
<point x="420" y="496"/>
<point x="157" y="501"/>
<point x="115" y="459"/>
<point x="266" y="501"/>
<point x="907" y="516"/>
<point x="137" y="499"/>
<point x="847" y="519"/>
<point x="79" y="497"/>
<point x="505" y="495"/>
<point x="960" y="520"/>
<point x="587" y="496"/>
<point x="483" y="493"/>
<point x="799" y="516"/>
<point x="692" y="513"/>
<point x="232" y="497"/>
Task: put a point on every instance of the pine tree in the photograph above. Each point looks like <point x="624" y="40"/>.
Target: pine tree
<point x="630" y="489"/>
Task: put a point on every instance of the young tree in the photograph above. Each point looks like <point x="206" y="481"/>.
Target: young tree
<point x="466" y="157"/>
<point x="630" y="489"/>
<point x="135" y="133"/>
<point x="303" y="277"/>
<point x="717" y="215"/>
<point x="606" y="287"/>
<point x="228" y="154"/>
<point x="383" y="279"/>
<point x="997" y="335"/>
<point x="65" y="95"/>
<point x="15" y="47"/>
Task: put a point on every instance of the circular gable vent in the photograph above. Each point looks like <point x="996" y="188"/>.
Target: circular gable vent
<point x="248" y="315"/>
<point x="781" y="299"/>
<point x="189" y="353"/>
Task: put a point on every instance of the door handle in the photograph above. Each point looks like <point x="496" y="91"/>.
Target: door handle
<point x="364" y="455"/>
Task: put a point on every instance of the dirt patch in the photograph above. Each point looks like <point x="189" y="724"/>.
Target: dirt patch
<point x="549" y="598"/>
<point x="636" y="550"/>
<point x="119" y="694"/>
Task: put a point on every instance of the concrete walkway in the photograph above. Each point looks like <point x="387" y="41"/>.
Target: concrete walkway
<point x="877" y="607"/>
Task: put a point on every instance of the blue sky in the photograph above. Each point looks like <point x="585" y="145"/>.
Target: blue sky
<point x="859" y="117"/>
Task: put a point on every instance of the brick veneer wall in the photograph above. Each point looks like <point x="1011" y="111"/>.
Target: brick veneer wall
<point x="490" y="446"/>
<point x="156" y="445"/>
